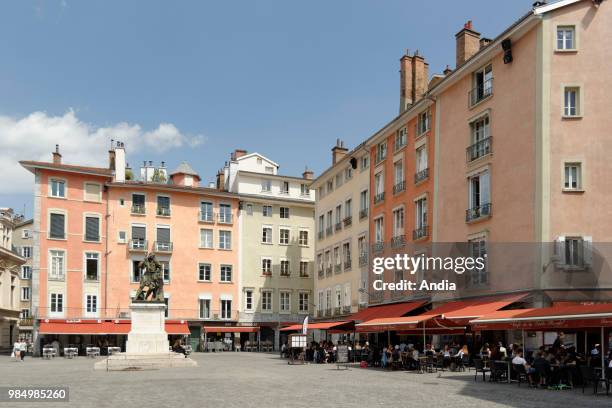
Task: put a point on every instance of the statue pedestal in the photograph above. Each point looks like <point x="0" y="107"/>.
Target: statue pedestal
<point x="148" y="334"/>
<point x="147" y="346"/>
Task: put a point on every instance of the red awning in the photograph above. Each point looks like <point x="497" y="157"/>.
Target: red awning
<point x="390" y="310"/>
<point x="564" y="316"/>
<point x="101" y="327"/>
<point x="231" y="329"/>
<point x="336" y="326"/>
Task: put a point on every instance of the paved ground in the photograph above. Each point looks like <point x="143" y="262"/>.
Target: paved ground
<point x="254" y="379"/>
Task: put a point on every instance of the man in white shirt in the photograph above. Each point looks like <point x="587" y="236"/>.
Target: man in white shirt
<point x="502" y="349"/>
<point x="519" y="360"/>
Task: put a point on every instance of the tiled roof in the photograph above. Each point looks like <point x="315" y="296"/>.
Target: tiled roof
<point x="185" y="168"/>
<point x="67" y="167"/>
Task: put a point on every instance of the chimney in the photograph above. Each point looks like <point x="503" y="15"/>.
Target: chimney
<point x="405" y="82"/>
<point x="484" y="42"/>
<point x="238" y="153"/>
<point x="468" y="43"/>
<point x="57" y="157"/>
<point x="220" y="180"/>
<point x="307" y="174"/>
<point x="414" y="78"/>
<point x="338" y="151"/>
<point x="447" y="71"/>
<point x="119" y="162"/>
<point x="111" y="159"/>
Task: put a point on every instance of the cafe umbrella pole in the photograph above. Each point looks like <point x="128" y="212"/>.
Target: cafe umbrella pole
<point x="603" y="368"/>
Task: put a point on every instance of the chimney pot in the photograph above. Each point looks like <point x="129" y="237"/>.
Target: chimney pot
<point x="307" y="174"/>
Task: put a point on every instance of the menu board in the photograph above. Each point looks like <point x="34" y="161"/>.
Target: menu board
<point x="342" y="354"/>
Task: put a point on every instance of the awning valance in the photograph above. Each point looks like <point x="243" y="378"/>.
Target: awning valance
<point x="338" y="326"/>
<point x="390" y="310"/>
<point x="230" y="329"/>
<point x="101" y="327"/>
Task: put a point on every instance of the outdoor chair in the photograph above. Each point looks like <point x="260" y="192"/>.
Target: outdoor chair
<point x="479" y="367"/>
<point x="440" y="364"/>
<point x="430" y="364"/>
<point x="499" y="371"/>
<point x="520" y="373"/>
<point x="589" y="375"/>
<point x="463" y="363"/>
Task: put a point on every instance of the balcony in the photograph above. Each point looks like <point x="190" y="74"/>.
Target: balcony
<point x="399" y="187"/>
<point x="138" y="209"/>
<point x="338" y="226"/>
<point x="378" y="246"/>
<point x="480" y="92"/>
<point x="138" y="245"/>
<point x="328" y="270"/>
<point x="476" y="213"/>
<point x="337" y="310"/>
<point x="329" y="231"/>
<point x="398" y="241"/>
<point x="363" y="214"/>
<point x="285" y="273"/>
<point x="346" y="309"/>
<point x="321" y="235"/>
<point x="337" y="268"/>
<point x="162" y="247"/>
<point x="421" y="175"/>
<point x="206" y="216"/>
<point x="363" y="259"/>
<point x="26" y="322"/>
<point x="348" y="221"/>
<point x="225" y="218"/>
<point x="379" y="197"/>
<point x="479" y="149"/>
<point x="320" y="313"/>
<point x="163" y="211"/>
<point x="420" y="233"/>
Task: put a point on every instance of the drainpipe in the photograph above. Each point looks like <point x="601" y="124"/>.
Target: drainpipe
<point x="107" y="216"/>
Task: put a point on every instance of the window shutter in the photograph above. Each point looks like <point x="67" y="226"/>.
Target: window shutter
<point x="559" y="250"/>
<point x="163" y="235"/>
<point x="587" y="251"/>
<point x="57" y="226"/>
<point x="138" y="233"/>
<point x="92" y="192"/>
<point x="92" y="229"/>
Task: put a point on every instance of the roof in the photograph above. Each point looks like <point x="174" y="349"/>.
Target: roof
<point x="278" y="176"/>
<point x="553" y="6"/>
<point x="23" y="223"/>
<point x="255" y="154"/>
<point x="185" y="168"/>
<point x="98" y="171"/>
<point x="340" y="162"/>
<point x="389" y="310"/>
<point x="58" y="326"/>
<point x="174" y="187"/>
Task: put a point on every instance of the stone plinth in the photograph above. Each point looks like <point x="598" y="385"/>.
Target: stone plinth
<point x="137" y="362"/>
<point x="148" y="333"/>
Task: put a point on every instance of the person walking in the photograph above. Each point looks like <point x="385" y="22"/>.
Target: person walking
<point x="23" y="348"/>
<point x="17" y="350"/>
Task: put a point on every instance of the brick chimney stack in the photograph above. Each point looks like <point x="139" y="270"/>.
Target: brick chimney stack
<point x="414" y="79"/>
<point x="338" y="151"/>
<point x="406" y="98"/>
<point x="238" y="153"/>
<point x="468" y="43"/>
<point x="308" y="174"/>
<point x="57" y="157"/>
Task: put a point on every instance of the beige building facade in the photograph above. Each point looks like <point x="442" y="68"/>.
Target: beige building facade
<point x="23" y="241"/>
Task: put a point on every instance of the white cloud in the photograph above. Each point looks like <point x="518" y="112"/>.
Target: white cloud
<point x="34" y="137"/>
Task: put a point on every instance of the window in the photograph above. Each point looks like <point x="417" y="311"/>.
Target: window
<point x="206" y="238"/>
<point x="269" y="169"/>
<point x="421" y="213"/>
<point x="573" y="176"/>
<point x="26" y="233"/>
<point x="204" y="270"/>
<point x="57" y="303"/>
<point x="249" y="209"/>
<point x="58" y="188"/>
<point x="483" y="84"/>
<point x="401" y="137"/>
<point x="26" y="272"/>
<point x="304" y="266"/>
<point x="266" y="301"/>
<point x="139" y="237"/>
<point x="122" y="237"/>
<point x="163" y="242"/>
<point x="398" y="172"/>
<point x="136" y="271"/>
<point x="398" y="222"/>
<point x="225" y="213"/>
<point x="92" y="228"/>
<point x="575" y="251"/>
<point x="121" y="202"/>
<point x="478" y="249"/>
<point x="348" y="208"/>
<point x="267" y="210"/>
<point x="381" y="151"/>
<point x="329" y="220"/>
<point x="571" y="105"/>
<point x="421" y="159"/>
<point x="91" y="303"/>
<point x="338" y="302"/>
<point x="138" y="203"/>
<point x="338" y="180"/>
<point x="304" y="190"/>
<point x="266" y="266"/>
<point x="93" y="192"/>
<point x="423" y="122"/>
<point x="57" y="226"/>
<point x="57" y="259"/>
<point x="92" y="266"/>
<point x="284" y="268"/>
<point x="365" y="162"/>
<point x="379" y="230"/>
<point x="348" y="173"/>
<point x="266" y="235"/>
<point x="206" y="211"/>
<point x="163" y="206"/>
<point x="328" y="261"/>
<point x="204" y="308"/>
<point x="285" y="187"/>
<point x="25" y="293"/>
<point x="379" y="183"/>
<point x="479" y="199"/>
<point x="566" y="38"/>
<point x="347" y="295"/>
<point x="165" y="266"/>
<point x="266" y="186"/>
<point x="285" y="302"/>
<point x="226" y="273"/>
<point x="330" y="186"/>
<point x="25" y="314"/>
<point x="303" y="238"/>
<point x="167" y="303"/>
<point x="328" y="298"/>
<point x="321" y="304"/>
<point x="338" y="215"/>
<point x="26" y="252"/>
<point x="248" y="299"/>
<point x="480" y="138"/>
<point x="337" y="259"/>
<point x="284" y="212"/>
<point x="346" y="253"/>
<point x="226" y="309"/>
<point x="363" y="202"/>
<point x="304" y="301"/>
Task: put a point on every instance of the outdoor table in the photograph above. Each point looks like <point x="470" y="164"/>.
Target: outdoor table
<point x="113" y="350"/>
<point x="48" y="352"/>
<point x="92" y="351"/>
<point x="71" y="352"/>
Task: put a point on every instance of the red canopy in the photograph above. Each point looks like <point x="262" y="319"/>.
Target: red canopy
<point x="390" y="310"/>
<point x="562" y="316"/>
<point x="339" y="326"/>
<point x="231" y="329"/>
<point x="100" y="327"/>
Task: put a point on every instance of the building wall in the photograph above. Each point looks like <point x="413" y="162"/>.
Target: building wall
<point x="355" y="276"/>
<point x="22" y="239"/>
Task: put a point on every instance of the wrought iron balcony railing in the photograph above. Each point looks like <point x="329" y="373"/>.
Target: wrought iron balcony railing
<point x="421" y="232"/>
<point x="379" y="197"/>
<point x="479" y="149"/>
<point x="421" y="175"/>
<point x="480" y="92"/>
<point x="480" y="211"/>
<point x="399" y="187"/>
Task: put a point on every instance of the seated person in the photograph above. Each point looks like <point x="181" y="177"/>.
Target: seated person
<point x="178" y="347"/>
<point x="519" y="360"/>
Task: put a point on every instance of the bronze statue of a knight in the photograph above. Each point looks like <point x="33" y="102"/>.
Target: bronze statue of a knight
<point x="152" y="278"/>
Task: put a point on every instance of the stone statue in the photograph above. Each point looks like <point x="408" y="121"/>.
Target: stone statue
<point x="152" y="278"/>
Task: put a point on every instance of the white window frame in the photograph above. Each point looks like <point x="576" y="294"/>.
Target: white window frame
<point x="579" y="101"/>
<point x="264" y="301"/>
<point x="222" y="276"/>
<point x="86" y="255"/>
<point x="567" y="182"/>
<point x="280" y="236"/>
<point x="26" y="293"/>
<point x="284" y="305"/>
<point x="54" y="310"/>
<point x="64" y="257"/>
<point x="564" y="28"/>
<point x="201" y="264"/>
<point x="58" y="179"/>
<point x="267" y="234"/>
<point x="212" y="238"/>
<point x="266" y="270"/>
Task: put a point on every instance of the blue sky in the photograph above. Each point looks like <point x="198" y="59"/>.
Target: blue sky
<point x="283" y="78"/>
